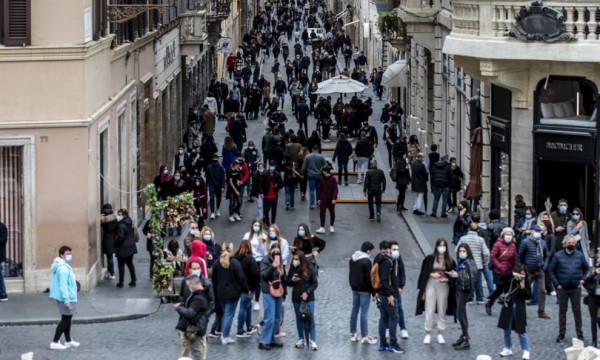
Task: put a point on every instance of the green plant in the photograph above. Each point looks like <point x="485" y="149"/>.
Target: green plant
<point x="177" y="210"/>
<point x="389" y="24"/>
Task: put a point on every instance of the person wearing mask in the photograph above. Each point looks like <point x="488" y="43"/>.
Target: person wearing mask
<point x="513" y="315"/>
<point x="419" y="183"/>
<point x="436" y="295"/>
<point x="195" y="309"/>
<point x="63" y="289"/>
<point x="257" y="190"/>
<point x="229" y="284"/>
<point x="400" y="274"/>
<point x="126" y="247"/>
<point x="362" y="291"/>
<point x="495" y="226"/>
<point x="560" y="218"/>
<point x="311" y="245"/>
<point x="275" y="237"/>
<point x="272" y="183"/>
<point x="523" y="227"/>
<point x="441" y="180"/>
<point x="567" y="270"/>
<point x="373" y="189"/>
<point x="545" y="222"/>
<point x="291" y="178"/>
<point x="343" y="151"/>
<point x="578" y="227"/>
<point x="464" y="277"/>
<point x="390" y="136"/>
<point x="481" y="255"/>
<point x="215" y="179"/>
<point x="161" y="182"/>
<point x="592" y="285"/>
<point x="388" y="297"/>
<point x="250" y="268"/>
<point x="327" y="194"/>
<point x="364" y="151"/>
<point x="534" y="255"/>
<point x="311" y="170"/>
<point x="198" y="253"/>
<point x="303" y="279"/>
<point x="181" y="158"/>
<point x="259" y="242"/>
<point x="244" y="176"/>
<point x="272" y="278"/>
<point x="413" y="148"/>
<point x="402" y="179"/>
<point x="503" y="259"/>
<point x="200" y="193"/>
<point x="213" y="249"/>
<point x="109" y="223"/>
<point x="462" y="221"/>
<point x="233" y="191"/>
<point x="455" y="184"/>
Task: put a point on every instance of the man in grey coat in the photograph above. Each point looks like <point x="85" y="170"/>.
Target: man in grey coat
<point x="311" y="169"/>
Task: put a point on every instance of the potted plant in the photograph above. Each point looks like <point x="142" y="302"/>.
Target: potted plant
<point x="390" y="26"/>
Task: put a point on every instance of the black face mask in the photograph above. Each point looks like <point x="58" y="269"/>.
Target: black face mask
<point x="571" y="247"/>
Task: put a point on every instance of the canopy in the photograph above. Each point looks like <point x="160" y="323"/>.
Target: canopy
<point x="396" y="74"/>
<point x="339" y="84"/>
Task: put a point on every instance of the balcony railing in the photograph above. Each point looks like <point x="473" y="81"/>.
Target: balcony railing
<point x="582" y="18"/>
<point x="421" y="6"/>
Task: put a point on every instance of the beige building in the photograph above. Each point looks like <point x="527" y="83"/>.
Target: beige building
<point x="90" y="109"/>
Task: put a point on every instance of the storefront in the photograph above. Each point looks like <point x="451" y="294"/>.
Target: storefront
<point x="500" y="140"/>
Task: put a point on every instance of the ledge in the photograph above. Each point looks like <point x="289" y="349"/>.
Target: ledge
<point x="54" y="53"/>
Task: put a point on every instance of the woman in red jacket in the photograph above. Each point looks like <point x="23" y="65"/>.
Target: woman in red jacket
<point x="503" y="259"/>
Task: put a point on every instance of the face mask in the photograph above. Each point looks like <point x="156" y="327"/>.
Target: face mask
<point x="576" y="217"/>
<point x="462" y="255"/>
<point x="197" y="183"/>
<point x="207" y="237"/>
<point x="271" y="168"/>
<point x="395" y="254"/>
<point x="536" y="235"/>
<point x="296" y="263"/>
<point x="272" y="235"/>
<point x="177" y="178"/>
<point x="256" y="228"/>
<point x="165" y="171"/>
<point x="261" y="170"/>
<point x="195" y="272"/>
<point x="193" y="231"/>
<point x="119" y="217"/>
<point x="562" y="209"/>
<point x="571" y="247"/>
<point x="301" y="233"/>
<point x="528" y="216"/>
<point x="508" y="238"/>
<point x="68" y="258"/>
<point x="441" y="249"/>
<point x="181" y="151"/>
<point x="251" y="147"/>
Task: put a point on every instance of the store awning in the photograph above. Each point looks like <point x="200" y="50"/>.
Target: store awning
<point x="341" y="14"/>
<point x="396" y="74"/>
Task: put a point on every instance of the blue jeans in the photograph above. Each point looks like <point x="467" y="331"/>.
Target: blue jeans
<point x="229" y="307"/>
<point x="342" y="169"/>
<point x="479" y="286"/>
<point x="388" y="320"/>
<point x="245" y="313"/>
<point x="281" y="97"/>
<point x="313" y="182"/>
<point x="2" y="286"/>
<point x="290" y="195"/>
<point x="401" y="323"/>
<point x="300" y="323"/>
<point x="489" y="278"/>
<point x="360" y="302"/>
<point x="242" y="191"/>
<point x="444" y="193"/>
<point x="507" y="332"/>
<point x="271" y="317"/>
<point x="110" y="265"/>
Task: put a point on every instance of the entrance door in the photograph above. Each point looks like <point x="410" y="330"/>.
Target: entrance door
<point x="566" y="180"/>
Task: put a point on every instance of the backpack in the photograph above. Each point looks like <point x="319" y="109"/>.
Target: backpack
<point x="375" y="279"/>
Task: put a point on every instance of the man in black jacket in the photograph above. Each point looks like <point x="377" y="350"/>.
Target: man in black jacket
<point x="388" y="297"/>
<point x="402" y="169"/>
<point x="3" y="241"/>
<point x="495" y="226"/>
<point x="195" y="307"/>
<point x="373" y="188"/>
<point x="362" y="291"/>
<point x="343" y="151"/>
<point x="441" y="178"/>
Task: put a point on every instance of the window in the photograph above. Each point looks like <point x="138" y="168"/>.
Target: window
<point x="565" y="101"/>
<point x="100" y="11"/>
<point x="11" y="207"/>
<point x="16" y="22"/>
<point x="132" y="29"/>
<point x="104" y="166"/>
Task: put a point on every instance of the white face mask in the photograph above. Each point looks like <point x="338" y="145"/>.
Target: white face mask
<point x="441" y="249"/>
<point x="119" y="217"/>
<point x="296" y="263"/>
<point x="508" y="238"/>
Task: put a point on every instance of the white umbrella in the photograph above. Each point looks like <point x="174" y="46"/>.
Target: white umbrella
<point x="396" y="74"/>
<point x="339" y="84"/>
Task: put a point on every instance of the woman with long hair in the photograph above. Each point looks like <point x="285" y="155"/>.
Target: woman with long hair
<point x="577" y="227"/>
<point x="200" y="192"/>
<point x="275" y="237"/>
<point x="311" y="245"/>
<point x="272" y="278"/>
<point x="303" y="279"/>
<point x="455" y="185"/>
<point x="161" y="182"/>
<point x="513" y="315"/>
<point x="436" y="293"/>
<point x="250" y="269"/>
<point x="259" y="243"/>
<point x="464" y="276"/>
<point x="229" y="283"/>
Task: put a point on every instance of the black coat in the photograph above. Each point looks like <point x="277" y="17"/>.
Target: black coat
<point x="109" y="225"/>
<point x="229" y="284"/>
<point x="419" y="176"/>
<point x="402" y="174"/>
<point x="3" y="241"/>
<point x="266" y="182"/>
<point x="457" y="177"/>
<point x="343" y="151"/>
<point x="441" y="175"/>
<point x="426" y="270"/>
<point x="195" y="305"/>
<point x="303" y="286"/>
<point x="125" y="239"/>
<point x="268" y="273"/>
<point x="519" y="319"/>
<point x="250" y="269"/>
<point x="360" y="273"/>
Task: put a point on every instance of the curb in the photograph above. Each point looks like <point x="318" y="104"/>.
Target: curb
<point x="81" y="320"/>
<point x="417" y="233"/>
<point x="362" y="201"/>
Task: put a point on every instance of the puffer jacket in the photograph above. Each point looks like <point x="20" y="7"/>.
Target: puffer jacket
<point x="125" y="238"/>
<point x="567" y="270"/>
<point x="343" y="151"/>
<point x="441" y="175"/>
<point x="503" y="256"/>
<point x="364" y="148"/>
<point x="528" y="254"/>
<point x="374" y="181"/>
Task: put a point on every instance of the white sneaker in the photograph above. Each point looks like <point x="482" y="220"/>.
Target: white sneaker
<point x="212" y="216"/>
<point x="232" y="219"/>
<point x="237" y="217"/>
<point x="227" y="341"/>
<point x="321" y="230"/>
<point x="553" y="293"/>
<point x="358" y="181"/>
<point x="256" y="306"/>
<point x="427" y="339"/>
<point x="331" y="229"/>
<point x="440" y="339"/>
<point x="368" y="340"/>
<point x="313" y="346"/>
<point x="300" y="344"/>
<point x="57" y="346"/>
<point x="404" y="334"/>
<point x="525" y="355"/>
<point x="71" y="343"/>
<point x="218" y="213"/>
<point x="355" y="337"/>
<point x="506" y="352"/>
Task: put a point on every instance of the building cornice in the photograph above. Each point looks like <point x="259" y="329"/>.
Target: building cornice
<point x="54" y="53"/>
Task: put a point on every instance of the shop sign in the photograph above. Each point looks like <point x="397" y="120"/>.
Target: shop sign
<point x="565" y="146"/>
<point x="166" y="56"/>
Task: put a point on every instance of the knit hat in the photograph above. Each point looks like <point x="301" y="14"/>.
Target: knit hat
<point x="507" y="229"/>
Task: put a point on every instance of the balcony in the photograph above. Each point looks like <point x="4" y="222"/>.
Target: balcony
<point x="193" y="31"/>
<point x="420" y="17"/>
<point x="217" y="11"/>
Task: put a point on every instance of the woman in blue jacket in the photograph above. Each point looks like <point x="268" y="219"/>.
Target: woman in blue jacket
<point x="63" y="289"/>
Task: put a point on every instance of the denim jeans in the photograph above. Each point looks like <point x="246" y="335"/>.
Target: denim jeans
<point x="360" y="302"/>
<point x="479" y="285"/>
<point x="374" y="196"/>
<point x="281" y="97"/>
<point x="313" y="182"/>
<point x="2" y="286"/>
<point x="290" y="195"/>
<point x="342" y="169"/>
<point x="538" y="295"/>
<point x="401" y="323"/>
<point x="271" y="317"/>
<point x="110" y="265"/>
<point x="361" y="167"/>
<point x="229" y="307"/>
<point x="300" y="323"/>
<point x="489" y="278"/>
<point x="444" y="193"/>
<point x="245" y="313"/>
<point x="242" y="190"/>
<point x="507" y="332"/>
<point x="388" y="320"/>
<point x="214" y="193"/>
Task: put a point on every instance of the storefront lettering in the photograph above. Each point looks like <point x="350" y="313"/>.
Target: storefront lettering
<point x="551" y="145"/>
<point x="170" y="54"/>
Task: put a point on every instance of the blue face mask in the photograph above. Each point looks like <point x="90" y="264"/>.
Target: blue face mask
<point x="195" y="272"/>
<point x="256" y="228"/>
<point x="272" y="168"/>
<point x="273" y="235"/>
<point x="395" y="254"/>
<point x="68" y="258"/>
<point x="562" y="209"/>
<point x="576" y="217"/>
<point x="528" y="216"/>
<point x="177" y="178"/>
<point x="462" y="255"/>
<point x="301" y="233"/>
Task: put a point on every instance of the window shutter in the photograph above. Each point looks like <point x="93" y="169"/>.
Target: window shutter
<point x="17" y="22"/>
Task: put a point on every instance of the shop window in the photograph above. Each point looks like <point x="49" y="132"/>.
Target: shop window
<point x="11" y="207"/>
<point x="566" y="102"/>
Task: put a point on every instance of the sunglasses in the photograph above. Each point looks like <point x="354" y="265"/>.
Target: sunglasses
<point x="276" y="253"/>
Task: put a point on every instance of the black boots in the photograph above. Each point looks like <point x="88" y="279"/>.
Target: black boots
<point x="462" y="343"/>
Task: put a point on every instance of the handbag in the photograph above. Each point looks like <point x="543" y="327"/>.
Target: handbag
<point x="304" y="311"/>
<point x="276" y="288"/>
